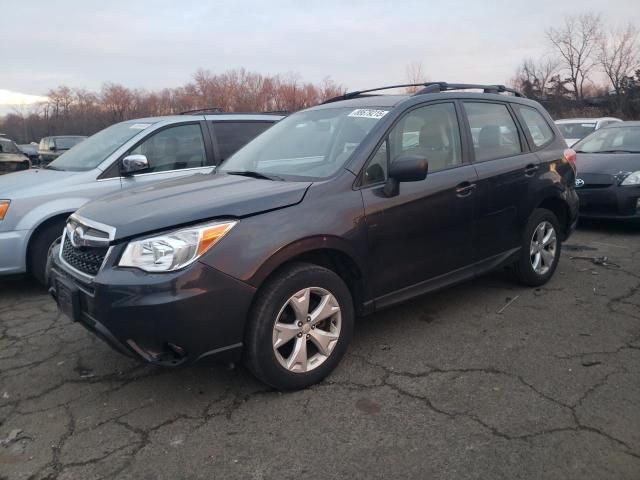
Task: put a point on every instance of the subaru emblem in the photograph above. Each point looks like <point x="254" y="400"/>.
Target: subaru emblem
<point x="579" y="182"/>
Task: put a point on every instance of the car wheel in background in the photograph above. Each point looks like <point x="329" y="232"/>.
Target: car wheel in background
<point x="299" y="327"/>
<point x="540" y="249"/>
<point x="39" y="247"/>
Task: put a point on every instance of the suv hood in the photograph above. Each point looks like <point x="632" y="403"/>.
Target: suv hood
<point x="12" y="157"/>
<point x="608" y="163"/>
<point x="192" y="199"/>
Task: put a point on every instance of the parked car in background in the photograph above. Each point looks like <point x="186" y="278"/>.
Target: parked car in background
<point x="51" y="148"/>
<point x="34" y="205"/>
<point x="575" y="129"/>
<point x="349" y="206"/>
<point x="31" y="151"/>
<point x="11" y="157"/>
<point x="608" y="182"/>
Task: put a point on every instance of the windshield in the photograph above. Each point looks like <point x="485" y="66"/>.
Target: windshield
<point x="576" y="130"/>
<point x="94" y="150"/>
<point x="65" y="143"/>
<point x="606" y="140"/>
<point x="310" y="144"/>
<point x="7" y="146"/>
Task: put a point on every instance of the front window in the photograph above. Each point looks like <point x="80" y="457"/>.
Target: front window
<point x="65" y="143"/>
<point x="576" y="130"/>
<point x="94" y="150"/>
<point x="311" y="144"/>
<point x="7" y="146"/>
<point x="611" y="140"/>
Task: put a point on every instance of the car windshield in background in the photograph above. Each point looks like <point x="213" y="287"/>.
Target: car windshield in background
<point x="65" y="143"/>
<point x="576" y="130"/>
<point x="611" y="140"/>
<point x="311" y="144"/>
<point x="91" y="152"/>
<point x="7" y="146"/>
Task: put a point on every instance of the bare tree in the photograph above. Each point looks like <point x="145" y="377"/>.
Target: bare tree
<point x="534" y="77"/>
<point x="619" y="55"/>
<point x="415" y="74"/>
<point x="576" y="43"/>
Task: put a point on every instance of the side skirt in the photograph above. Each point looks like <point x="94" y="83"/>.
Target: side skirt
<point x="447" y="279"/>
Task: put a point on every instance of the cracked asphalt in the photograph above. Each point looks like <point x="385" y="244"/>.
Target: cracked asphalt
<point x="486" y="380"/>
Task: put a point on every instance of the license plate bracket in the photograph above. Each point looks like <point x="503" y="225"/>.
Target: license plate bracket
<point x="68" y="299"/>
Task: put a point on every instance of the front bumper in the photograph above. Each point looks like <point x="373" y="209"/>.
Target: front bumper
<point x="165" y="319"/>
<point x="13" y="247"/>
<point x="611" y="202"/>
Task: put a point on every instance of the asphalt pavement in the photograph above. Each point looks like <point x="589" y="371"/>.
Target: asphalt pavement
<point x="485" y="380"/>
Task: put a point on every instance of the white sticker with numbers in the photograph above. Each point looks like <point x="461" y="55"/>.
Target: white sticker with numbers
<point x="368" y="113"/>
<point x="139" y="126"/>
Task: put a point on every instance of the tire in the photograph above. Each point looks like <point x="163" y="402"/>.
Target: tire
<point x="533" y="247"/>
<point x="39" y="247"/>
<point x="276" y="365"/>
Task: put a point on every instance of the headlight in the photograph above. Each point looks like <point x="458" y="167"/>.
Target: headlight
<point x="632" y="179"/>
<point x="172" y="251"/>
<point x="4" y="206"/>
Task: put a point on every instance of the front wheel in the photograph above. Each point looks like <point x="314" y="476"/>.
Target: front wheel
<point x="300" y="327"/>
<point x="540" y="249"/>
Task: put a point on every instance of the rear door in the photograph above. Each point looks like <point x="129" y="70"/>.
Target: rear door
<point x="506" y="174"/>
<point x="427" y="229"/>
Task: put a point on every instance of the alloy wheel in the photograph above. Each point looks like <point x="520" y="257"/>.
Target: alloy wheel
<point x="543" y="246"/>
<point x="306" y="329"/>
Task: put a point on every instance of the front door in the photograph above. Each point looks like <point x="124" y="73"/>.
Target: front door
<point x="172" y="152"/>
<point x="426" y="230"/>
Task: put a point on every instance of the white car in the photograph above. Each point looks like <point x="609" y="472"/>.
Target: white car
<point x="575" y="129"/>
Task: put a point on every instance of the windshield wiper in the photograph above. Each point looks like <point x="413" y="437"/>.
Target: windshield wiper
<point x="618" y="151"/>
<point x="252" y="174"/>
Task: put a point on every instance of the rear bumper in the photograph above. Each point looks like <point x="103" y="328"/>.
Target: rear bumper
<point x="165" y="319"/>
<point x="13" y="247"/>
<point x="614" y="202"/>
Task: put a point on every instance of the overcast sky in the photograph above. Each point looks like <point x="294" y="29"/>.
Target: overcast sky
<point x="155" y="44"/>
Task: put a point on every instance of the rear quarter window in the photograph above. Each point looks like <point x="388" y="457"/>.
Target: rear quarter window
<point x="536" y="125"/>
<point x="232" y="136"/>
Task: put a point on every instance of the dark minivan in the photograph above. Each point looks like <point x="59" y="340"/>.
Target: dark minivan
<point x="338" y="210"/>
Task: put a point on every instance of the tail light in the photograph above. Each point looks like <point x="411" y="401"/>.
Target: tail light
<point x="570" y="156"/>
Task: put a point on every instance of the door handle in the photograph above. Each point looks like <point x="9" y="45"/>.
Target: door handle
<point x="465" y="189"/>
<point x="530" y="169"/>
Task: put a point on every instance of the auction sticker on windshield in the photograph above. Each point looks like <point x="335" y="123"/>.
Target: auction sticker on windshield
<point x="368" y="113"/>
<point x="139" y="126"/>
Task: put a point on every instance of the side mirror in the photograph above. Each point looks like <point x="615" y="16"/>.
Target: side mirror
<point x="405" y="168"/>
<point x="133" y="164"/>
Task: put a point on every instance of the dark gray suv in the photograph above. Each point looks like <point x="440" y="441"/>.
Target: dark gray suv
<point x="338" y="210"/>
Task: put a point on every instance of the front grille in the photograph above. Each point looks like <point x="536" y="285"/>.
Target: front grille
<point x="596" y="180"/>
<point x="87" y="260"/>
<point x="8" y="167"/>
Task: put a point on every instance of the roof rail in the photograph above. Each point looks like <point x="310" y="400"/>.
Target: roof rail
<point x="430" y="87"/>
<point x="199" y="111"/>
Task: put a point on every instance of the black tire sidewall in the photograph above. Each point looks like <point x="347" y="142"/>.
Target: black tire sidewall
<point x="39" y="249"/>
<point x="524" y="269"/>
<point x="259" y="354"/>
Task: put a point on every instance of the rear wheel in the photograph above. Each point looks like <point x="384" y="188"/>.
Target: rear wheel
<point x="300" y="327"/>
<point x="39" y="247"/>
<point x="540" y="249"/>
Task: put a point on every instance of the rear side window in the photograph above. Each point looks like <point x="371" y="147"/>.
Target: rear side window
<point x="493" y="130"/>
<point x="232" y="136"/>
<point x="535" y="123"/>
